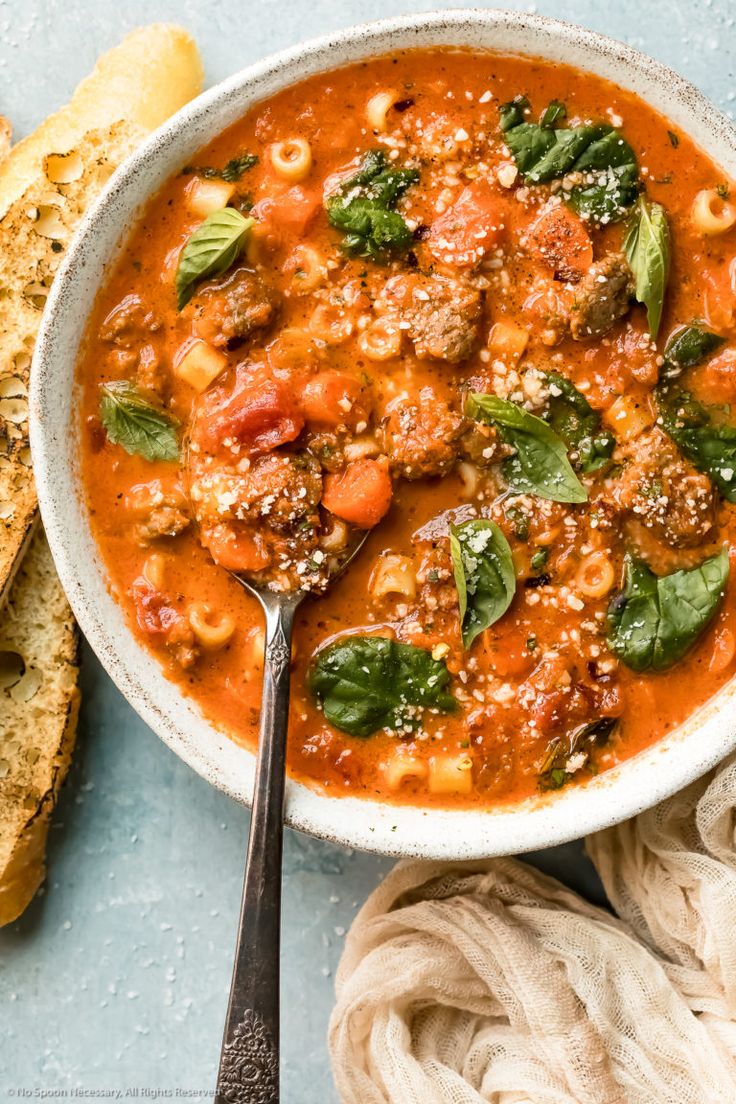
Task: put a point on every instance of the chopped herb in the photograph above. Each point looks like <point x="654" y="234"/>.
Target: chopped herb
<point x="674" y="140"/>
<point x="231" y="172"/>
<point x="722" y="191"/>
<point x="568" y="755"/>
<point x="539" y="559"/>
<point x="531" y="644"/>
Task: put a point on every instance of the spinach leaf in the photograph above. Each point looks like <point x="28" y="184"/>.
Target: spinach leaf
<point x="539" y="465"/>
<point x="484" y="575"/>
<point x="135" y="424"/>
<point x="211" y="250"/>
<point x="687" y="346"/>
<point x="655" y="620"/>
<point x="709" y="446"/>
<point x="599" y="152"/>
<point x="568" y="755"/>
<point x="364" y="208"/>
<point x="647" y="249"/>
<point x="573" y="419"/>
<point x="231" y="173"/>
<point x="366" y="683"/>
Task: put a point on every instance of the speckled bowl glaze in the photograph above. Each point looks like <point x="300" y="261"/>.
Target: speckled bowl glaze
<point x="672" y="763"/>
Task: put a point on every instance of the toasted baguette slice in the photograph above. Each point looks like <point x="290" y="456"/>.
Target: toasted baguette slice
<point x="39" y="703"/>
<point x="149" y="76"/>
<point x="46" y="183"/>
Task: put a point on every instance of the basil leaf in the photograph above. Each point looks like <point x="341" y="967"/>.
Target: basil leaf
<point x="484" y="575"/>
<point x="211" y="250"/>
<point x="364" y="208"/>
<point x="647" y="249"/>
<point x="539" y="465"/>
<point x="573" y="419"/>
<point x="366" y="683"/>
<point x="566" y="757"/>
<point x="655" y="620"/>
<point x="599" y="152"/>
<point x="135" y="424"/>
<point x="688" y="346"/>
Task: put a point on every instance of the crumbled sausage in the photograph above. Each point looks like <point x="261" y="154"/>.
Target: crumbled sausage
<point x="439" y="315"/>
<point x="420" y="439"/>
<point x="602" y="296"/>
<point x="160" y="511"/>
<point x="229" y="312"/>
<point x="663" y="491"/>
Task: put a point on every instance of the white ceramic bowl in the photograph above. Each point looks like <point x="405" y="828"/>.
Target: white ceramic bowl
<point x="535" y="823"/>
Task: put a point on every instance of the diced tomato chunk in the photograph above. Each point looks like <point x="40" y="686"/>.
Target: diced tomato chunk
<point x="333" y="398"/>
<point x="155" y="617"/>
<point x="560" y="241"/>
<point x="287" y="214"/>
<point x="260" y="413"/>
<point x="467" y="230"/>
<point x="361" y="494"/>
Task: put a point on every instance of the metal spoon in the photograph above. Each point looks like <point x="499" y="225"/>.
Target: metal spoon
<point x="249" y="1060"/>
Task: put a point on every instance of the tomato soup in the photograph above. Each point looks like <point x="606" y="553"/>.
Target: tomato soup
<point x="480" y="308"/>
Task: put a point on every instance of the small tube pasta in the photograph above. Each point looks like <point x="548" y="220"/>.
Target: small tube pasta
<point x="336" y="537"/>
<point x="451" y="773"/>
<point x="595" y="575"/>
<point x="362" y="448"/>
<point x="402" y="767"/>
<point x="469" y="477"/>
<point x="153" y="570"/>
<point x="393" y="574"/>
<point x="211" y="632"/>
<point x="306" y="269"/>
<point x="292" y="159"/>
<point x="377" y="110"/>
<point x="380" y="340"/>
<point x="712" y="213"/>
<point x="331" y="324"/>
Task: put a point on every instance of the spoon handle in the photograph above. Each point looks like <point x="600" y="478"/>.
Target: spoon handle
<point x="249" y="1060"/>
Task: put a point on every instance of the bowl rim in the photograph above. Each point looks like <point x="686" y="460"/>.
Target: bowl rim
<point x="396" y="830"/>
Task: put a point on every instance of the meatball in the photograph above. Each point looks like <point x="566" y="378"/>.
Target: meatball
<point x="421" y="438"/>
<point x="439" y="315"/>
<point x="602" y="296"/>
<point x="663" y="491"/>
<point x="227" y="313"/>
<point x="277" y="490"/>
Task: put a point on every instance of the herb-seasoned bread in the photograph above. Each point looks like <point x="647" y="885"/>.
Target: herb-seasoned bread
<point x="39" y="702"/>
<point x="46" y="183"/>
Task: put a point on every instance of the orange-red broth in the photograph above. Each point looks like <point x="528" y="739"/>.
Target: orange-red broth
<point x="330" y="111"/>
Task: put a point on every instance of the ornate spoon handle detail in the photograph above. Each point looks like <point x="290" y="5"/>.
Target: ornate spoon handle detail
<point x="249" y="1062"/>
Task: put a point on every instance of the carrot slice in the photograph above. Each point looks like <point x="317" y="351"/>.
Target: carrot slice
<point x="360" y="494"/>
<point x="559" y="240"/>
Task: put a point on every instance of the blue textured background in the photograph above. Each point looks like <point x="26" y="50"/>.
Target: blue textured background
<point x="116" y="977"/>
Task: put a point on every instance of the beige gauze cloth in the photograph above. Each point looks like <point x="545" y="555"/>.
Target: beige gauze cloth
<point x="487" y="981"/>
